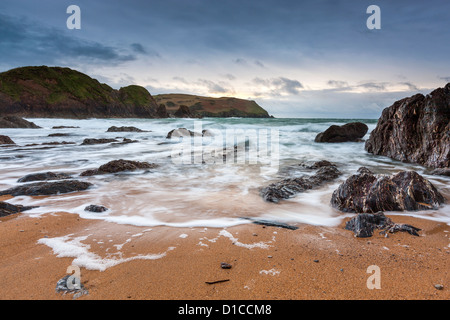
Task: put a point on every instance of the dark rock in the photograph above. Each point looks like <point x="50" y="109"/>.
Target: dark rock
<point x="350" y="132"/>
<point x="47" y="188"/>
<point x="441" y="172"/>
<point x="183" y="112"/>
<point x="364" y="224"/>
<point x="65" y="127"/>
<point x="288" y="188"/>
<point x="364" y="170"/>
<point x="406" y="190"/>
<point x="225" y="265"/>
<point x="7" y="209"/>
<point x="95" y="208"/>
<point x="161" y="112"/>
<point x="116" y="166"/>
<point x="59" y="134"/>
<point x="44" y="176"/>
<point x="6" y="140"/>
<point x="415" y="129"/>
<point x="270" y="223"/>
<point x="124" y="129"/>
<point x="318" y="164"/>
<point x="16" y="122"/>
<point x="53" y="143"/>
<point x="89" y="141"/>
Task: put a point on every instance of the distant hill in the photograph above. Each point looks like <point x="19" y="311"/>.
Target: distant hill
<point x="212" y="107"/>
<point x="55" y="92"/>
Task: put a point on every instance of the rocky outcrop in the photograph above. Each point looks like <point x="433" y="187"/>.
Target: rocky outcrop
<point x="95" y="208"/>
<point x="124" y="129"/>
<point x="47" y="188"/>
<point x="415" y="129"/>
<point x="349" y="132"/>
<point x="44" y="176"/>
<point x="161" y="112"/>
<point x="441" y="172"/>
<point x="121" y="165"/>
<point x="16" y="122"/>
<point x="288" y="188"/>
<point x="90" y="141"/>
<point x="7" y="209"/>
<point x="368" y="193"/>
<point x="364" y="224"/>
<point x="183" y="112"/>
<point x="6" y="140"/>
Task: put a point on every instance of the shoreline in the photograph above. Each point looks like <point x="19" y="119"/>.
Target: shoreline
<point x="268" y="263"/>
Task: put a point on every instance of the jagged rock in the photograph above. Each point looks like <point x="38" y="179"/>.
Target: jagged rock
<point x="116" y="166"/>
<point x="364" y="224"/>
<point x="161" y="112"/>
<point x="415" y="129"/>
<point x="90" y="141"/>
<point x="95" y="208"/>
<point x="318" y="164"/>
<point x="368" y="193"/>
<point x="183" y="112"/>
<point x="7" y="209"/>
<point x="16" y="122"/>
<point x="441" y="172"/>
<point x="124" y="129"/>
<point x="350" y="132"/>
<point x="288" y="188"/>
<point x="44" y="176"/>
<point x="6" y="140"/>
<point x="47" y="188"/>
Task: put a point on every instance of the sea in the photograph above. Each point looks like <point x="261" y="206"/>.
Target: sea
<point x="212" y="180"/>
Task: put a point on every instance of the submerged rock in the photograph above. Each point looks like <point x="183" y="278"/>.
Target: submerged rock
<point x="288" y="188"/>
<point x="116" y="166"/>
<point x="368" y="193"/>
<point x="47" y="188"/>
<point x="124" y="129"/>
<point x="350" y="132"/>
<point x="415" y="129"/>
<point x="6" y="140"/>
<point x="90" y="141"/>
<point x="441" y="172"/>
<point x="364" y="224"/>
<point x="7" y="209"/>
<point x="16" y="122"/>
<point x="44" y="176"/>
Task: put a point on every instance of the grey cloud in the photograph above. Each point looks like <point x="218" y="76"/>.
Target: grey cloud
<point x="259" y="64"/>
<point x="25" y="42"/>
<point x="338" y="84"/>
<point x="241" y="61"/>
<point x="411" y="86"/>
<point x="229" y="76"/>
<point x="280" y="85"/>
<point x="446" y="79"/>
<point x="214" y="87"/>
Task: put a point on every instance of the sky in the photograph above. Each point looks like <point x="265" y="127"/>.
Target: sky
<point x="295" y="58"/>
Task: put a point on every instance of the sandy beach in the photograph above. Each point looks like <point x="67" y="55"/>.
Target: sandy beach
<point x="268" y="263"/>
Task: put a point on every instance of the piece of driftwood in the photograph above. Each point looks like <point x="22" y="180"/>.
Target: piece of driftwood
<point x="217" y="281"/>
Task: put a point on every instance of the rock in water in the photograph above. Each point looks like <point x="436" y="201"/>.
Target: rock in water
<point x="7" y="209"/>
<point x="415" y="129"/>
<point x="364" y="224"/>
<point x="288" y="188"/>
<point x="116" y="166"/>
<point x="183" y="112"/>
<point x="6" y="140"/>
<point x="45" y="176"/>
<point x="368" y="193"/>
<point x="161" y="112"/>
<point x="124" y="129"/>
<point x="350" y="132"/>
<point x="47" y="188"/>
<point x="95" y="208"/>
<point x="16" y="122"/>
<point x="90" y="141"/>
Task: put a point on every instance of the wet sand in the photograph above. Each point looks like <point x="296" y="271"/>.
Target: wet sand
<point x="268" y="263"/>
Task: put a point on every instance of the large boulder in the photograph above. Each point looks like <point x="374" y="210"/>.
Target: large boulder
<point x="47" y="188"/>
<point x="368" y="193"/>
<point x="16" y="122"/>
<point x="415" y="129"/>
<point x="349" y="132"/>
<point x="121" y="165"/>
